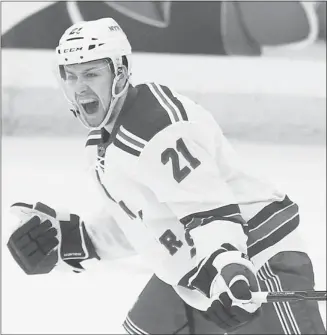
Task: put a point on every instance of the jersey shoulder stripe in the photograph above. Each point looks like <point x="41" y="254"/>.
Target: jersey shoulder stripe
<point x="175" y="102"/>
<point x="169" y="102"/>
<point x="154" y="109"/>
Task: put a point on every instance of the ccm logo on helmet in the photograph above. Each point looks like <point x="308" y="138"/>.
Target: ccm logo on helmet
<point x="72" y="49"/>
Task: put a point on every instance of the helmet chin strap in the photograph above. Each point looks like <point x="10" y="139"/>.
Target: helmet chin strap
<point x="113" y="101"/>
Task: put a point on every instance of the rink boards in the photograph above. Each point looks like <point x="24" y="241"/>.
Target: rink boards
<point x="260" y="99"/>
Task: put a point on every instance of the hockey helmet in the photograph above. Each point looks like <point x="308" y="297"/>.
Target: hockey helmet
<point x="94" y="40"/>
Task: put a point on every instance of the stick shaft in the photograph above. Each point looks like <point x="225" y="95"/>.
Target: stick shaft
<point x="289" y="296"/>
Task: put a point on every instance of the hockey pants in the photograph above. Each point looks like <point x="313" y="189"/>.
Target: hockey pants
<point x="159" y="310"/>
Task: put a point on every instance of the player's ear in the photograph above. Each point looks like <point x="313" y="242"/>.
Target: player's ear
<point x="123" y="73"/>
<point x="122" y="76"/>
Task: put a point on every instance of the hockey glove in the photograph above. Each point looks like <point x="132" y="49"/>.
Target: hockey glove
<point x="227" y="278"/>
<point x="44" y="238"/>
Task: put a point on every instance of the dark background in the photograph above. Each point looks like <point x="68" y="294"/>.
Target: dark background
<point x="184" y="27"/>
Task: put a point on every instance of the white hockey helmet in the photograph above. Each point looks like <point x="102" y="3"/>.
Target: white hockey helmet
<point x="93" y="40"/>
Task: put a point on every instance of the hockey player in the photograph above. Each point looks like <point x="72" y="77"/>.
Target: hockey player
<point x="212" y="233"/>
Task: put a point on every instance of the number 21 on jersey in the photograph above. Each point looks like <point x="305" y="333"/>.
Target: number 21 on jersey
<point x="173" y="155"/>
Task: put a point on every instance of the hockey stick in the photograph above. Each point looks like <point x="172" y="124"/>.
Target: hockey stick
<point x="264" y="297"/>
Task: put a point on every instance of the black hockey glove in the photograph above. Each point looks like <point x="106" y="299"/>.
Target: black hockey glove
<point x="44" y="238"/>
<point x="227" y="278"/>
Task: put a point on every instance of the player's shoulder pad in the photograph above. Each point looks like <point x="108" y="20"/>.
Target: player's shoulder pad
<point x="155" y="108"/>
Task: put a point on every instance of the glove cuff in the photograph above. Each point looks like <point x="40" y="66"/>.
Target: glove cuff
<point x="232" y="257"/>
<point x="225" y="263"/>
<point x="75" y="241"/>
<point x="233" y="266"/>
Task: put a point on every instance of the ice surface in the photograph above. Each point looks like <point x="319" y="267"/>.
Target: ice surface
<point x="51" y="170"/>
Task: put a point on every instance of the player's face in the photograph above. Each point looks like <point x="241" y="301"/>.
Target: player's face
<point x="88" y="86"/>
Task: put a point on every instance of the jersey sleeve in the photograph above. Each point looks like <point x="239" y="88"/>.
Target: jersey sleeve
<point x="181" y="165"/>
<point x="109" y="240"/>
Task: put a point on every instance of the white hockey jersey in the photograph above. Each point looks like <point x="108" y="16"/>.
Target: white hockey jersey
<point x="177" y="191"/>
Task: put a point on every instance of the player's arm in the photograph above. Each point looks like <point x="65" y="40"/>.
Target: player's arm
<point x="109" y="240"/>
<point x="180" y="166"/>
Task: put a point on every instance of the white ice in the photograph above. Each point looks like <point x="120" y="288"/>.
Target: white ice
<point x="50" y="170"/>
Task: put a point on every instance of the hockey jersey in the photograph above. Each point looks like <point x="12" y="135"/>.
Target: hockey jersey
<point x="177" y="190"/>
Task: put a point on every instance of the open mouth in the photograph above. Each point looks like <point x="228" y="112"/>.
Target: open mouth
<point x="90" y="106"/>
